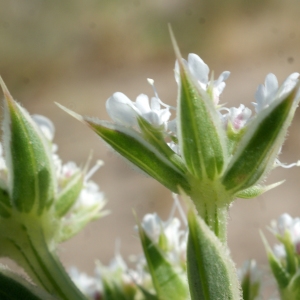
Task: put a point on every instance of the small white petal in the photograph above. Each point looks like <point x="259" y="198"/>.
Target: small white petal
<point x="198" y="68"/>
<point x="224" y="75"/>
<point x="271" y="83"/>
<point x="288" y="84"/>
<point x="121" y="109"/>
<point x="155" y="104"/>
<point x="142" y="104"/>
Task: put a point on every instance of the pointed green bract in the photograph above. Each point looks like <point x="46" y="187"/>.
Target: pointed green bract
<point x="198" y="131"/>
<point x="67" y="197"/>
<point x="260" y="145"/>
<point x="200" y="135"/>
<point x="279" y="272"/>
<point x="256" y="190"/>
<point x="211" y="273"/>
<point x="133" y="147"/>
<point x="168" y="283"/>
<point x="31" y="173"/>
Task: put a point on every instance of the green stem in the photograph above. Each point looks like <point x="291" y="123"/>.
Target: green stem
<point x="42" y="265"/>
<point x="212" y="203"/>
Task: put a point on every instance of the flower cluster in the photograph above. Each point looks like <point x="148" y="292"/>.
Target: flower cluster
<point x="210" y="155"/>
<point x="90" y="200"/>
<point x="287" y="231"/>
<point x="235" y="120"/>
<point x="124" y="111"/>
<point x="117" y="277"/>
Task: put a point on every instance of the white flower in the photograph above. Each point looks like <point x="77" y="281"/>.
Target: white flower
<point x="286" y="225"/>
<point x="89" y="286"/>
<point x="279" y="251"/>
<point x="237" y="117"/>
<point x="266" y="93"/>
<point x="125" y="112"/>
<point x="90" y="196"/>
<point x="153" y="226"/>
<point x="175" y="238"/>
<point x="200" y="71"/>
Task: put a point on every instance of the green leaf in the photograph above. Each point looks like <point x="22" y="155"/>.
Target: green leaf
<point x="260" y="145"/>
<point x="131" y="145"/>
<point x="13" y="287"/>
<point x="67" y="197"/>
<point x="28" y="158"/>
<point x="201" y="137"/>
<point x="168" y="283"/>
<point x="211" y="273"/>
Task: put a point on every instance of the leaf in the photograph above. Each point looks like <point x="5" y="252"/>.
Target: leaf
<point x="201" y="137"/>
<point x="211" y="273"/>
<point x="168" y="283"/>
<point x="28" y="158"/>
<point x="13" y="287"/>
<point x="260" y="145"/>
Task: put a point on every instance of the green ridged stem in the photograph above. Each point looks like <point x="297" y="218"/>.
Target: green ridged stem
<point x="25" y="243"/>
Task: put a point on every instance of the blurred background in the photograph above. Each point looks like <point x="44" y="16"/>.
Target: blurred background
<point x="78" y="53"/>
